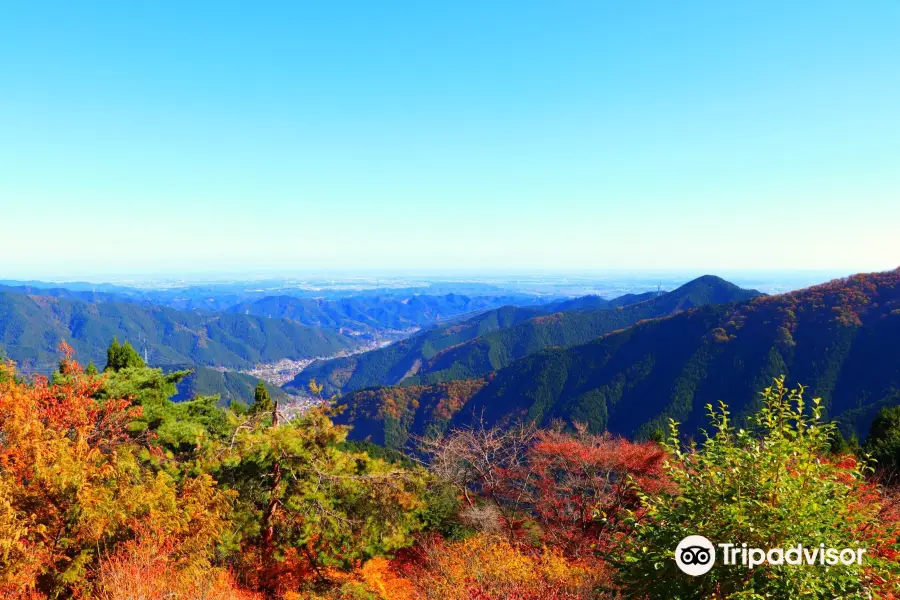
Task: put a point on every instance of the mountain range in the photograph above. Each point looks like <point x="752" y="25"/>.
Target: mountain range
<point x="32" y="326"/>
<point x="495" y="338"/>
<point x="230" y="386"/>
<point x="367" y="314"/>
<point x="839" y="339"/>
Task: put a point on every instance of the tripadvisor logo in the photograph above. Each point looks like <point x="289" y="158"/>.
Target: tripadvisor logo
<point x="696" y="555"/>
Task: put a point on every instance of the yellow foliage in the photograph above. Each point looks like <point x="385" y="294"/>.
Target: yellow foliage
<point x="500" y="569"/>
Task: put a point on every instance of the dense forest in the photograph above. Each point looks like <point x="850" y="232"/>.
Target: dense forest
<point x="839" y="338"/>
<point x="569" y="473"/>
<point x="492" y="340"/>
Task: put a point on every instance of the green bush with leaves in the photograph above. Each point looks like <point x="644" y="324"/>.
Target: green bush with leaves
<point x="773" y="486"/>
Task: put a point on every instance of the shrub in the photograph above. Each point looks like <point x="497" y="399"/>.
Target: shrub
<point x="772" y="487"/>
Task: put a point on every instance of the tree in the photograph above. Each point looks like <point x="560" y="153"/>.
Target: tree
<point x="883" y="442"/>
<point x="305" y="505"/>
<point x="578" y="487"/>
<point x="774" y="486"/>
<point x="262" y="401"/>
<point x="120" y="357"/>
<point x="492" y="567"/>
<point x="75" y="486"/>
<point x="550" y="487"/>
<point x="474" y="458"/>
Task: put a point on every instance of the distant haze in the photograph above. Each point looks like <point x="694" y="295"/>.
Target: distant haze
<point x="608" y="284"/>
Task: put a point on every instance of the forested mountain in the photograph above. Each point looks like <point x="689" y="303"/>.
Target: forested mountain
<point x="575" y="324"/>
<point x="494" y="339"/>
<point x="839" y="338"/>
<point x="393" y="363"/>
<point x="360" y="312"/>
<point x="372" y="313"/>
<point x="31" y="328"/>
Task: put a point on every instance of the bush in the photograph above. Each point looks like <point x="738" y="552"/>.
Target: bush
<point x="773" y="487"/>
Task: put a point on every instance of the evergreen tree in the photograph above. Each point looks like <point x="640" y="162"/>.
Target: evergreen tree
<point x="262" y="401"/>
<point x="119" y="357"/>
<point x="91" y="369"/>
<point x="883" y="442"/>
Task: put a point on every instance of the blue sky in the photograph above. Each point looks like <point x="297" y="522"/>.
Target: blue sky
<point x="191" y="136"/>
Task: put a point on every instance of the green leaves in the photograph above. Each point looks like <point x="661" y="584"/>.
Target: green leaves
<point x="772" y="486"/>
<point x="299" y="489"/>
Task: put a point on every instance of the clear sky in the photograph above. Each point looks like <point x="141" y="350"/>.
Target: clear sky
<point x="139" y="136"/>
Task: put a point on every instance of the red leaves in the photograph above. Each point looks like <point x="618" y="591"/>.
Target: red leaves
<point x="577" y="486"/>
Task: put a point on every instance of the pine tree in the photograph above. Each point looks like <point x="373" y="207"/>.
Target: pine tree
<point x="262" y="401"/>
<point x="119" y="357"/>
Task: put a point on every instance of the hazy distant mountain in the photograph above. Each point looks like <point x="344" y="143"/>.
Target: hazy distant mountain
<point x="373" y="313"/>
<point x="74" y="286"/>
<point x="839" y="338"/>
<point x="31" y="328"/>
<point x="364" y="310"/>
<point x="494" y="339"/>
<point x="65" y="292"/>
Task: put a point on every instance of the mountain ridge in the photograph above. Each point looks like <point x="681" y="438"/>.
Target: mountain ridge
<point x="493" y="339"/>
<point x="837" y="338"/>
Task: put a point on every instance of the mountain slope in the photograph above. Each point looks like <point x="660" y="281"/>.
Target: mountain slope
<point x="391" y="364"/>
<point x="494" y="339"/>
<point x="228" y="385"/>
<point x="840" y="339"/>
<point x="500" y="348"/>
<point x="31" y="328"/>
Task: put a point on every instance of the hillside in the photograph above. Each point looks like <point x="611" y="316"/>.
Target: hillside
<point x="31" y="328"/>
<point x="228" y="385"/>
<point x="838" y="338"/>
<point x="391" y="364"/>
<point x="496" y="338"/>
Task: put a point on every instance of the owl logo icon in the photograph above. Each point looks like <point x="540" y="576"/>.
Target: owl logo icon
<point x="695" y="555"/>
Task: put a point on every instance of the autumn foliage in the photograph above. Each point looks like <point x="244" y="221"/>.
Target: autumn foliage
<point x="73" y="488"/>
<point x="108" y="492"/>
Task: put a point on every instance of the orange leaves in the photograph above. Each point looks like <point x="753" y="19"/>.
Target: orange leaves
<point x="489" y="567"/>
<point x="375" y="579"/>
<point x="148" y="568"/>
<point x="72" y="487"/>
<point x="378" y="576"/>
<point x="575" y="486"/>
